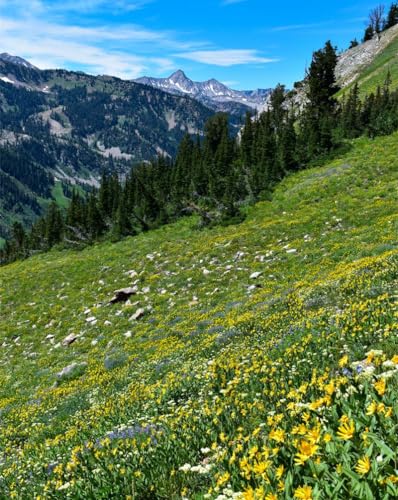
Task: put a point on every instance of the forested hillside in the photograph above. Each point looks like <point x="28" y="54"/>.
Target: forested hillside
<point x="69" y="127"/>
<point x="249" y="362"/>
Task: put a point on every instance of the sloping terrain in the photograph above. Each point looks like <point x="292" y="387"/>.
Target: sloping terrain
<point x="253" y="361"/>
<point x="369" y="63"/>
<point x="66" y="127"/>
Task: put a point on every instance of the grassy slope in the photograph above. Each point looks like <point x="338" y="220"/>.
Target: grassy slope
<point x="376" y="73"/>
<point x="232" y="380"/>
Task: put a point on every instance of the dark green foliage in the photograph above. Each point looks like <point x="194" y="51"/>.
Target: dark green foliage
<point x="369" y="34"/>
<point x="213" y="176"/>
<point x="318" y="120"/>
<point x="392" y="17"/>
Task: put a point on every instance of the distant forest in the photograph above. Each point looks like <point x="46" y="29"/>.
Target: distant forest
<point x="216" y="175"/>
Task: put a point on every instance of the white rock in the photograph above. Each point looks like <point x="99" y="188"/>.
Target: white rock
<point x="256" y="275"/>
<point x="69" y="339"/>
<point x="138" y="314"/>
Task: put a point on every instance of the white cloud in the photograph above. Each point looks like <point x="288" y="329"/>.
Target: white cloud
<point x="49" y="45"/>
<point x="228" y="57"/>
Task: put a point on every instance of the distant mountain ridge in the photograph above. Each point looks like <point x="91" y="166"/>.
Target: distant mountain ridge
<point x="59" y="128"/>
<point x="212" y="93"/>
<point x="16" y="60"/>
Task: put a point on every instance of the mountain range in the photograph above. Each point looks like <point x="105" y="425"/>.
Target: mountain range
<point x="211" y="93"/>
<point x="60" y="128"/>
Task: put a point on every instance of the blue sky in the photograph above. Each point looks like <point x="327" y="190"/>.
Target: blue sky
<point x="244" y="43"/>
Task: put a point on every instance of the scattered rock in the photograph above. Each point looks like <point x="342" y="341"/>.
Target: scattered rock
<point x="72" y="371"/>
<point x="256" y="275"/>
<point x="69" y="339"/>
<point x="132" y="273"/>
<point x="123" y="294"/>
<point x="138" y="314"/>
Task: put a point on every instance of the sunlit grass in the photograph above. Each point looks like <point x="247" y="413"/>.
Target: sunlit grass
<point x="228" y="386"/>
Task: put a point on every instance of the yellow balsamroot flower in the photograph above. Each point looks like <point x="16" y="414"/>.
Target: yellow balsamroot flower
<point x="327" y="438"/>
<point x="260" y="467"/>
<point x="380" y="387"/>
<point x="304" y="493"/>
<point x="363" y="466"/>
<point x="305" y="451"/>
<point x="279" y="471"/>
<point x="346" y="431"/>
<point x="343" y="361"/>
<point x="223" y="479"/>
<point x="277" y="435"/>
<point x="271" y="496"/>
<point x="371" y="409"/>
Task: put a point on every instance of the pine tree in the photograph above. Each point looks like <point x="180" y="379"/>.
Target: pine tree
<point x="317" y="121"/>
<point x="54" y="225"/>
<point x="392" y="17"/>
<point x="246" y="143"/>
<point x="369" y="34"/>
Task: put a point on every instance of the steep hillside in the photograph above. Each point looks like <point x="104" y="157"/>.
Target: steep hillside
<point x="254" y="361"/>
<point x="68" y="127"/>
<point x="368" y="63"/>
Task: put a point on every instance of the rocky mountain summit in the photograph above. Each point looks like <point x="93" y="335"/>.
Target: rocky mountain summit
<point x="212" y="93"/>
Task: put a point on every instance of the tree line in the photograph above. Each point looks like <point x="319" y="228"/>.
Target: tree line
<point x="216" y="174"/>
<point x="378" y="21"/>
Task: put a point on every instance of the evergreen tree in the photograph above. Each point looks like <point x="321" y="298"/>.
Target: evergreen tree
<point x="392" y="16"/>
<point x="54" y="225"/>
<point x="369" y="34"/>
<point x="318" y="118"/>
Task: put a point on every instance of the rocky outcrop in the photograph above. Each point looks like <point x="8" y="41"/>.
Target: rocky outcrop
<point x="352" y="62"/>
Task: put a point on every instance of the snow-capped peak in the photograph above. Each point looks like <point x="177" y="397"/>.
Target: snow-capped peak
<point x="16" y="60"/>
<point x="211" y="92"/>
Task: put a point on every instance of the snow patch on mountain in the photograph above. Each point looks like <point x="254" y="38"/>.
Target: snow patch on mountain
<point x="211" y="92"/>
<point x="16" y="60"/>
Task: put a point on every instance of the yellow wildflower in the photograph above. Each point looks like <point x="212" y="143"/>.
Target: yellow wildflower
<point x="305" y="451"/>
<point x="223" y="479"/>
<point x="380" y="387"/>
<point x="346" y="431"/>
<point x="371" y="409"/>
<point x="277" y="435"/>
<point x="304" y="493"/>
<point x="343" y="361"/>
<point x="279" y="471"/>
<point x="363" y="466"/>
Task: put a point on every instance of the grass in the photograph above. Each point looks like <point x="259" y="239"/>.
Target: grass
<point x="376" y="73"/>
<point x="227" y="386"/>
<point x="58" y="194"/>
